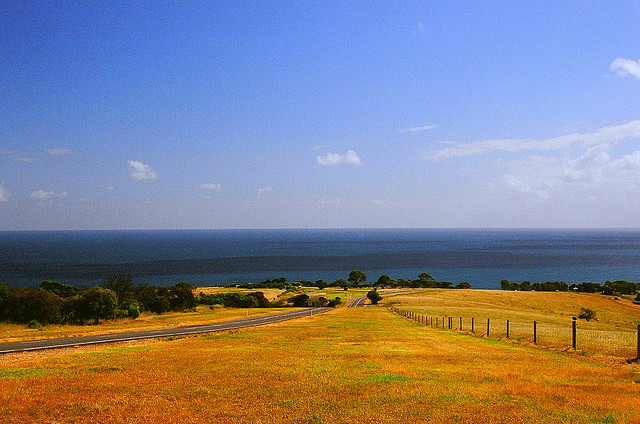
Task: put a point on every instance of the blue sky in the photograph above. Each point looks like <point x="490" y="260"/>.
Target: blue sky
<point x="319" y="114"/>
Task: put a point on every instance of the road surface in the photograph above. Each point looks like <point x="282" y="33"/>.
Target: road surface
<point x="356" y="302"/>
<point x="30" y="345"/>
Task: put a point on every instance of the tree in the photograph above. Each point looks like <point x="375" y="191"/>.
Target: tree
<point x="121" y="284"/>
<point x="321" y="284"/>
<point x="374" y="297"/>
<point x="4" y="295"/>
<point x="299" y="300"/>
<point x="25" y="304"/>
<point x="463" y="285"/>
<point x="181" y="297"/>
<point x="95" y="304"/>
<point x="384" y="280"/>
<point x="62" y="290"/>
<point x="425" y="277"/>
<point x="356" y="277"/>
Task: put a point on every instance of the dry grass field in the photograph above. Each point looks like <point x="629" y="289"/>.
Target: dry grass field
<point x="613" y="332"/>
<point x="346" y="366"/>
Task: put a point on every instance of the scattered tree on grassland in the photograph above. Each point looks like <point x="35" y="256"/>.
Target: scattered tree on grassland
<point x="357" y="276"/>
<point x="374" y="296"/>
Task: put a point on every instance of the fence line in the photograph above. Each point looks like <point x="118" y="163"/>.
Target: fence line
<point x="619" y="343"/>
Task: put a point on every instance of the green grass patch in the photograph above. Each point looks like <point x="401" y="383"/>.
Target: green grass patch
<point x="23" y="372"/>
<point x="386" y="379"/>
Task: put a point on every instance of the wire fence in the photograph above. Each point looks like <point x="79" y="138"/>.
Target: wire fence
<point x="623" y="343"/>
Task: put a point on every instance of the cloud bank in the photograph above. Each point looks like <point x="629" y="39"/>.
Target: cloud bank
<point x="333" y="159"/>
<point x="604" y="135"/>
<point x="141" y="171"/>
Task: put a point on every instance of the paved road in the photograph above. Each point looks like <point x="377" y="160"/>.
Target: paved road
<point x="356" y="302"/>
<point x="166" y="332"/>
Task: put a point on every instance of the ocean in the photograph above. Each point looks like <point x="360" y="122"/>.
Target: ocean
<point x="213" y="257"/>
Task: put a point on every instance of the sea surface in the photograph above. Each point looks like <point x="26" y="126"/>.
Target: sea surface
<point x="214" y="257"/>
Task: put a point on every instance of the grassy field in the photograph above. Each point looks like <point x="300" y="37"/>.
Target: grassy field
<point x="346" y="366"/>
<point x="613" y="332"/>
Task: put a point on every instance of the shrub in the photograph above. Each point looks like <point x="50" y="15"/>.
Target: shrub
<point x="131" y="307"/>
<point x="299" y="300"/>
<point x="587" y="314"/>
<point x="34" y="325"/>
<point x="374" y="297"/>
<point x="335" y="302"/>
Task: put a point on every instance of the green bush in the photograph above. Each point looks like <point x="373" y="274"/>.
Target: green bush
<point x="34" y="324"/>
<point x="374" y="297"/>
<point x="587" y="314"/>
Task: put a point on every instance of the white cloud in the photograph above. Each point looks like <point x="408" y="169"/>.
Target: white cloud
<point x="4" y="193"/>
<point x="261" y="191"/>
<point x="333" y="159"/>
<point x="418" y="129"/>
<point x="330" y="201"/>
<point x="587" y="168"/>
<point x="535" y="176"/>
<point x="44" y="195"/>
<point x="626" y="67"/>
<point x="609" y="134"/>
<point x="18" y="155"/>
<point x="141" y="171"/>
<point x="57" y="152"/>
<point x="211" y="186"/>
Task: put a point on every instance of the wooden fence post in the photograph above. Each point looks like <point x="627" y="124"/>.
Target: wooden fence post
<point x="473" y="322"/>
<point x="575" y="333"/>
<point x="443" y="322"/>
<point x="432" y="321"/>
<point x="488" y="326"/>
<point x="460" y="323"/>
<point x="507" y="329"/>
<point x="535" y="332"/>
<point x="638" y="352"/>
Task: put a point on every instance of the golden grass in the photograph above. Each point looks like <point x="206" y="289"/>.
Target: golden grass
<point x="614" y="331"/>
<point x="347" y="366"/>
<point x="146" y="321"/>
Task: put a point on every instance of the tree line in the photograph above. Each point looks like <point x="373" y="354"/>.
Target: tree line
<point x="607" y="288"/>
<point x="357" y="279"/>
<point x="58" y="303"/>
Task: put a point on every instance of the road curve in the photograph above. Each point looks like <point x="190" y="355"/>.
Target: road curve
<point x="31" y="345"/>
<point x="356" y="302"/>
